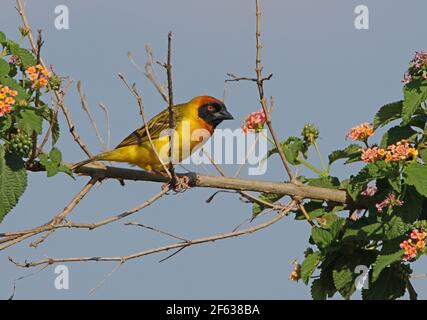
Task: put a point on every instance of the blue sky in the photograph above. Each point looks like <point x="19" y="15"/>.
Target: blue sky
<point x="325" y="72"/>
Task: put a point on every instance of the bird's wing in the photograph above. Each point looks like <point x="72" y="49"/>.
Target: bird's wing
<point x="155" y="126"/>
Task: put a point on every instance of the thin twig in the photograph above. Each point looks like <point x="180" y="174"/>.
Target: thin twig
<point x="156" y="230"/>
<point x="140" y="102"/>
<point x="107" y="120"/>
<point x="86" y="109"/>
<point x="140" y="254"/>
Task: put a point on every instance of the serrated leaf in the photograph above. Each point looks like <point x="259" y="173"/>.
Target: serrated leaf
<point x="383" y="261"/>
<point x="415" y="174"/>
<point x="4" y="68"/>
<point x="291" y="148"/>
<point x="388" y="113"/>
<point x="13" y="182"/>
<point x="321" y="237"/>
<point x="30" y="121"/>
<point x="412" y="206"/>
<point x="309" y="265"/>
<point x="26" y="57"/>
<point x="414" y="94"/>
<point x="390" y="285"/>
<point x="344" y="275"/>
<point x="323" y="287"/>
<point x="352" y="153"/>
<point x="2" y="37"/>
<point x="395" y="228"/>
<point x="395" y="134"/>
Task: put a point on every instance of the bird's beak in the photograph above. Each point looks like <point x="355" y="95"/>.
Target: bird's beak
<point x="224" y="115"/>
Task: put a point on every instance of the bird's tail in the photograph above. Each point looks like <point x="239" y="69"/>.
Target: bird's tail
<point x="107" y="155"/>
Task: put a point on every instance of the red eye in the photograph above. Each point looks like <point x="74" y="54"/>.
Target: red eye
<point x="211" y="108"/>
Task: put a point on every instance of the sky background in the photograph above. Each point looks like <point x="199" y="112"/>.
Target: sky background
<point x="325" y="72"/>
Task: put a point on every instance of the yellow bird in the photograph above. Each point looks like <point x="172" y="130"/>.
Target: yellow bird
<point x="195" y="121"/>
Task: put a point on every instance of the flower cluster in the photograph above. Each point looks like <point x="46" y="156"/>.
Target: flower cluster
<point x="390" y="201"/>
<point x="254" y="122"/>
<point x="416" y="241"/>
<point x="38" y="75"/>
<point x="6" y="99"/>
<point x="361" y="132"/>
<point x="417" y="68"/>
<point x="399" y="151"/>
<point x="310" y="133"/>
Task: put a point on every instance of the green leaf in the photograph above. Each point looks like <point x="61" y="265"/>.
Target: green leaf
<point x="344" y="274"/>
<point x="395" y="134"/>
<point x="388" y="113"/>
<point x="362" y="229"/>
<point x="4" y="68"/>
<point x="412" y="206"/>
<point x="13" y="181"/>
<point x="309" y="265"/>
<point x="324" y="182"/>
<point x="314" y="209"/>
<point x="13" y="84"/>
<point x="324" y="286"/>
<point x="390" y="285"/>
<point x="26" y="57"/>
<point x="30" y="121"/>
<point x="414" y="94"/>
<point x="395" y="228"/>
<point x="368" y="173"/>
<point x="2" y="37"/>
<point x="321" y="237"/>
<point x="55" y="155"/>
<point x="291" y="148"/>
<point x="51" y="169"/>
<point x="383" y="261"/>
<point x="415" y="174"/>
<point x="257" y="208"/>
<point x="352" y="153"/>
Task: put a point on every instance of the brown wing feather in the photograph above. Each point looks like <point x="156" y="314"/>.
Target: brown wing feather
<point x="155" y="126"/>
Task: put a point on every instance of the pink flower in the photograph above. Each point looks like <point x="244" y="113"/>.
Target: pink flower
<point x="369" y="191"/>
<point x="391" y="201"/>
<point x="254" y="121"/>
<point x="373" y="154"/>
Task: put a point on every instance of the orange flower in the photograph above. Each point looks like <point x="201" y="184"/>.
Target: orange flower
<point x="43" y="82"/>
<point x="373" y="154"/>
<point x="9" y="100"/>
<point x="361" y="132"/>
<point x="13" y="93"/>
<point x="33" y="76"/>
<point x="420" y="244"/>
<point x="31" y="69"/>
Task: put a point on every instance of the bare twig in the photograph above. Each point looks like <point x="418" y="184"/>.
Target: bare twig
<point x="140" y="254"/>
<point x="168" y="67"/>
<point x="156" y="230"/>
<point x="107" y="120"/>
<point x="150" y="73"/>
<point x="140" y="102"/>
<point x="86" y="109"/>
